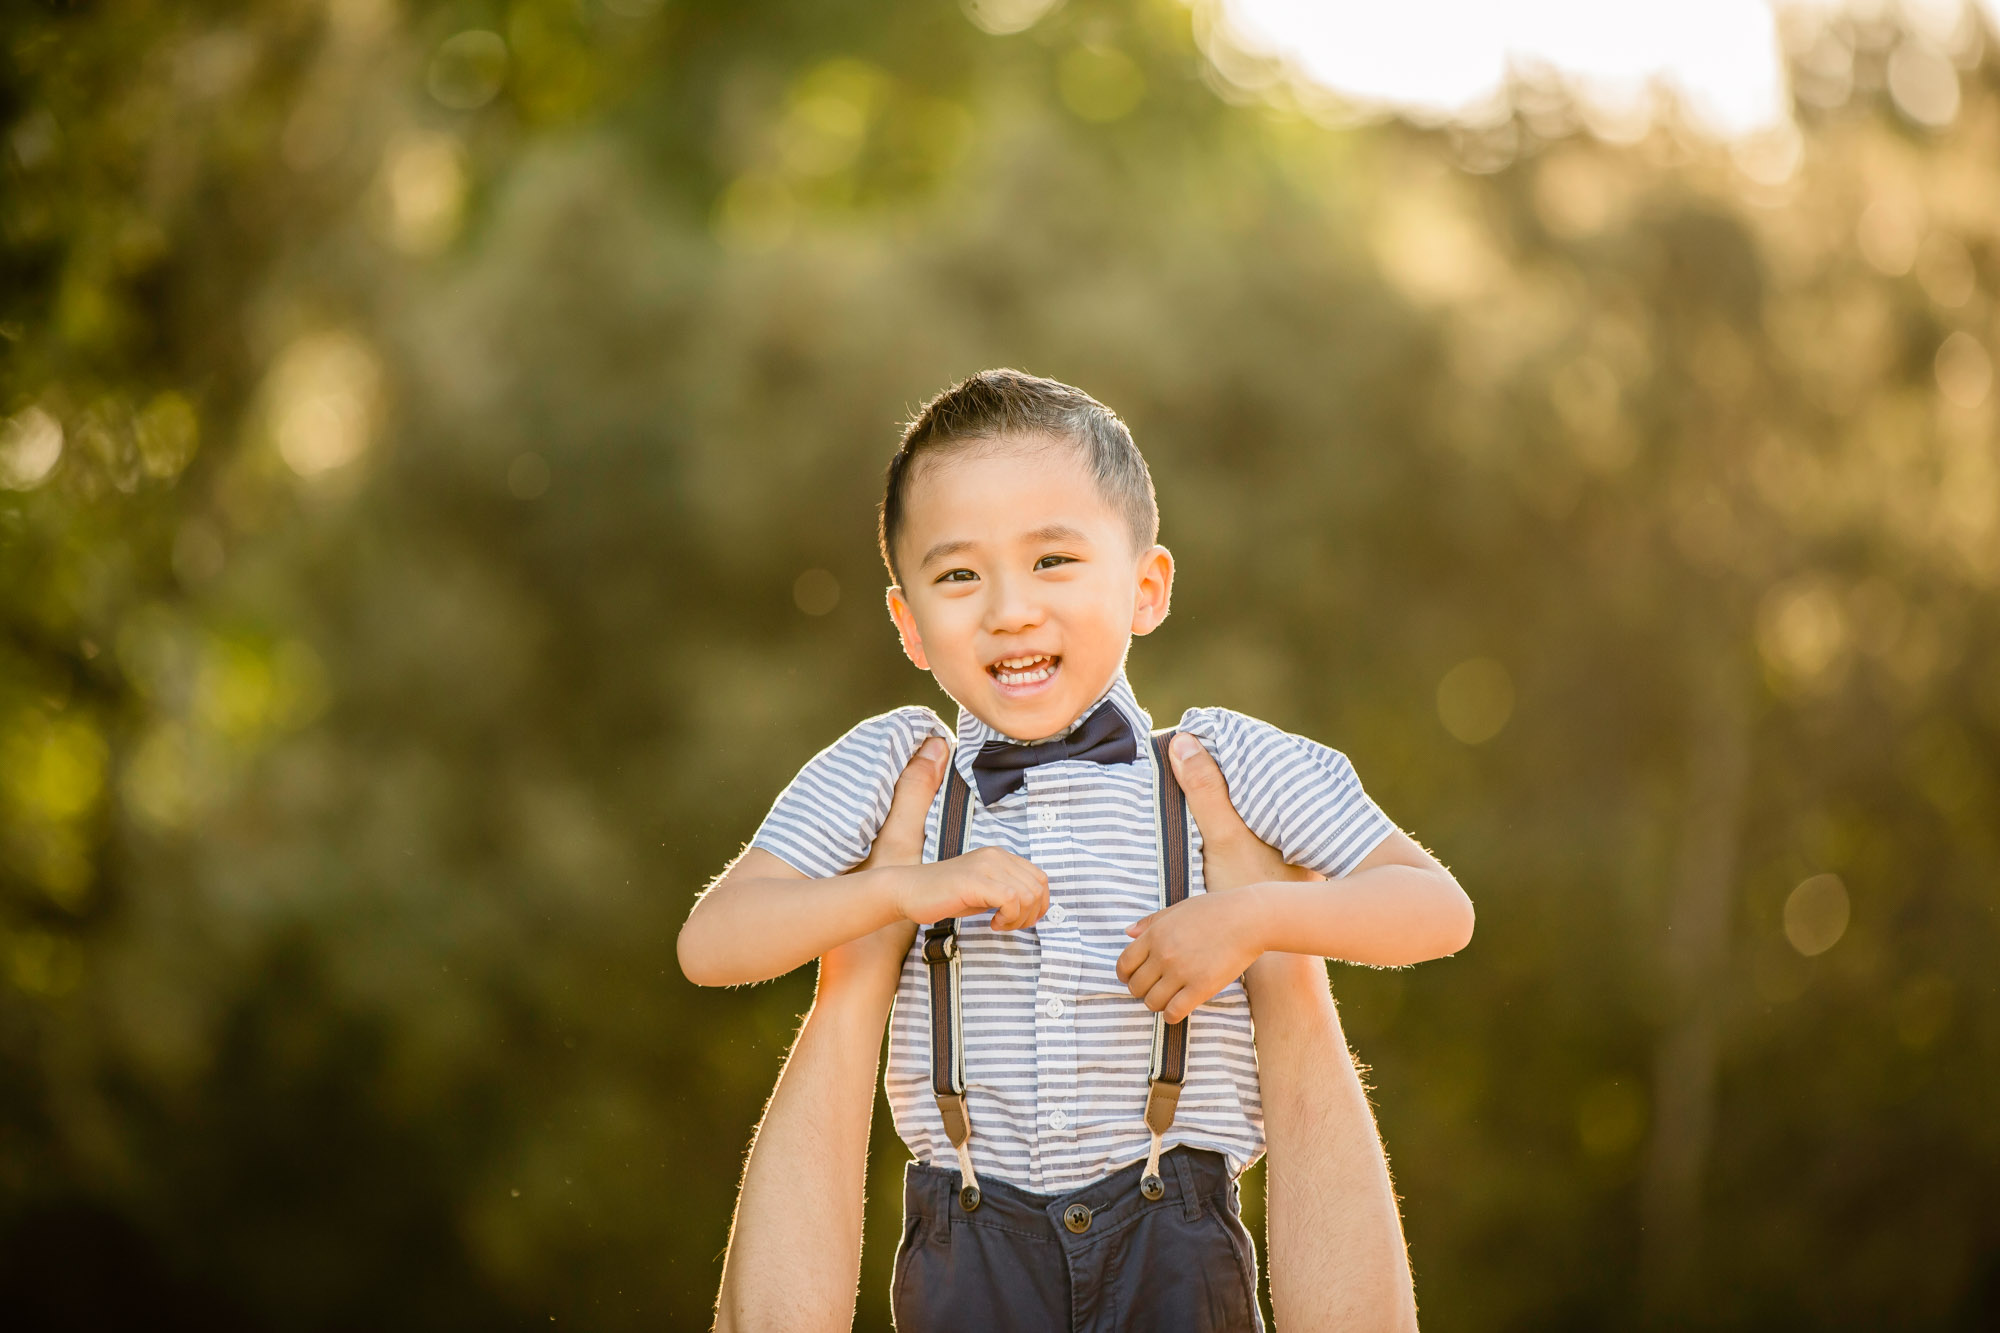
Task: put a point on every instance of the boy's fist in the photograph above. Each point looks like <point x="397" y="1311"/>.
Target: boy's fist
<point x="1182" y="955"/>
<point x="988" y="879"/>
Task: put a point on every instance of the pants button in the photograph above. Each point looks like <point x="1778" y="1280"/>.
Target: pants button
<point x="1077" y="1218"/>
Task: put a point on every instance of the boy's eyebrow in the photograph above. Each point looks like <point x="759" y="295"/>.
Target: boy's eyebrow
<point x="941" y="550"/>
<point x="1048" y="532"/>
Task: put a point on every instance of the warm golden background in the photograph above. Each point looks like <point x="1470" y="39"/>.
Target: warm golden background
<point x="440" y="444"/>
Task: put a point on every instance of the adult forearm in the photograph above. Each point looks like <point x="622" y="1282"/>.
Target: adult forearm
<point x="1390" y="916"/>
<point x="763" y="928"/>
<point x="794" y="1257"/>
<point x="1334" y="1235"/>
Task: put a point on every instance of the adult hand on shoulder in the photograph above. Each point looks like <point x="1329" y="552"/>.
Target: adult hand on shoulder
<point x="899" y="843"/>
<point x="1181" y="956"/>
<point x="985" y="879"/>
<point x="1231" y="855"/>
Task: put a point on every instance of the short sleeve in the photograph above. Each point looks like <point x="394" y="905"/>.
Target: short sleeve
<point x="1297" y="795"/>
<point x="826" y="818"/>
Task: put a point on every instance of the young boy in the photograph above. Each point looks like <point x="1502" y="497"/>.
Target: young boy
<point x="1019" y="526"/>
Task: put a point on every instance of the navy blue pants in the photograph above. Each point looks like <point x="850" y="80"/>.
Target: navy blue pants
<point x="1100" y="1259"/>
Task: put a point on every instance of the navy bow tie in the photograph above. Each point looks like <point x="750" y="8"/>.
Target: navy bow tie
<point x="1105" y="737"/>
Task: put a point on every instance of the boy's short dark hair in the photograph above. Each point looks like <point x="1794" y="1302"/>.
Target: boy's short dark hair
<point x="997" y="403"/>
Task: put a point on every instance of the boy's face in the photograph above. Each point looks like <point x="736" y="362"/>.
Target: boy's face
<point x="1021" y="585"/>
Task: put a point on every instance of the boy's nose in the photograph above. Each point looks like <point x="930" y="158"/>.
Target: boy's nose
<point x="1012" y="607"/>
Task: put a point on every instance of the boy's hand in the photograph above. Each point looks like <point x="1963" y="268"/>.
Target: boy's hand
<point x="1182" y="955"/>
<point x="986" y="879"/>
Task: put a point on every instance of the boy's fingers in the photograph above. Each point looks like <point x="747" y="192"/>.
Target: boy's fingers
<point x="1128" y="961"/>
<point x="1138" y="928"/>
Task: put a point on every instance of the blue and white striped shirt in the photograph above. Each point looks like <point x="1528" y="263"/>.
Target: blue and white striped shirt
<point x="1057" y="1050"/>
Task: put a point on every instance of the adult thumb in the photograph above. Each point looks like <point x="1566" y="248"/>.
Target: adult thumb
<point x="1207" y="790"/>
<point x="902" y="835"/>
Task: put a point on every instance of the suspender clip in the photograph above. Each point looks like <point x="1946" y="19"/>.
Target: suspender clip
<point x="941" y="943"/>
<point x="1162" y="1100"/>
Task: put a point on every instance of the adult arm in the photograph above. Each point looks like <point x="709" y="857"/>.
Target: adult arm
<point x="1333" y="1235"/>
<point x="794" y="1257"/>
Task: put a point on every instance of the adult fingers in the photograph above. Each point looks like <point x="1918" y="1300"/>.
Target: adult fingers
<point x="901" y="838"/>
<point x="1207" y="792"/>
<point x="903" y="831"/>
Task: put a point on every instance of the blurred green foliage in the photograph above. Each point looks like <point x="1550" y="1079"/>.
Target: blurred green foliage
<point x="440" y="443"/>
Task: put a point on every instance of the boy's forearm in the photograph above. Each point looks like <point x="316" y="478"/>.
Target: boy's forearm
<point x="756" y="929"/>
<point x="1388" y="916"/>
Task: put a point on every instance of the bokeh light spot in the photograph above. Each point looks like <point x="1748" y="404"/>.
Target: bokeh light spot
<point x="166" y="434"/>
<point x="31" y="443"/>
<point x="1001" y="17"/>
<point x="1924" y="85"/>
<point x="1816" y="914"/>
<point x="322" y="397"/>
<point x="816" y="592"/>
<point x="1802" y="634"/>
<point x="1888" y="234"/>
<point x="468" y="69"/>
<point x="424" y="174"/>
<point x="1964" y="370"/>
<point x="1475" y="699"/>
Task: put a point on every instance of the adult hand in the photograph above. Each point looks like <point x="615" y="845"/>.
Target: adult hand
<point x="1231" y="855"/>
<point x="878" y="957"/>
<point x="1181" y="956"/>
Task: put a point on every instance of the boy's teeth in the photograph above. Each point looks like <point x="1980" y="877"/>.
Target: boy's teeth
<point x="1024" y="670"/>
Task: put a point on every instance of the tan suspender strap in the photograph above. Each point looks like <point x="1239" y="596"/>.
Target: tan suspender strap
<point x="941" y="957"/>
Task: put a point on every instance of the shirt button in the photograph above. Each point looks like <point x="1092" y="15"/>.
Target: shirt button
<point x="1057" y="1119"/>
<point x="1058" y="914"/>
<point x="1046" y="818"/>
<point x="1054" y="1009"/>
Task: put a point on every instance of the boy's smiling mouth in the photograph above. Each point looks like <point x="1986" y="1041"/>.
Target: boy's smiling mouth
<point x="1025" y="672"/>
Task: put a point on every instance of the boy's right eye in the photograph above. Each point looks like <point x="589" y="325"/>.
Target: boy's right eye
<point x="957" y="576"/>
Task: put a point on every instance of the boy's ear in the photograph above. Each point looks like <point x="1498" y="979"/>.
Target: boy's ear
<point x="906" y="628"/>
<point x="1156" y="589"/>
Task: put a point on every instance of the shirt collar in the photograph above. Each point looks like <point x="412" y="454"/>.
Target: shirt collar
<point x="974" y="734"/>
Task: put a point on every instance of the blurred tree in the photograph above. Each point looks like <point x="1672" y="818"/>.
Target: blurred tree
<point x="436" y="481"/>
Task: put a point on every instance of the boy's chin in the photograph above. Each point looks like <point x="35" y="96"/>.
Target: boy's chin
<point x="1031" y="719"/>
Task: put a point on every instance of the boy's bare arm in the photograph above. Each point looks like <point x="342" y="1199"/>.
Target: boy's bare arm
<point x="763" y="918"/>
<point x="1334" y="1237"/>
<point x="1398" y="907"/>
<point x="794" y="1255"/>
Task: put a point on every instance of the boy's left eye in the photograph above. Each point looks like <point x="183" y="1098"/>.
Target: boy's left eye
<point x="1051" y="561"/>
